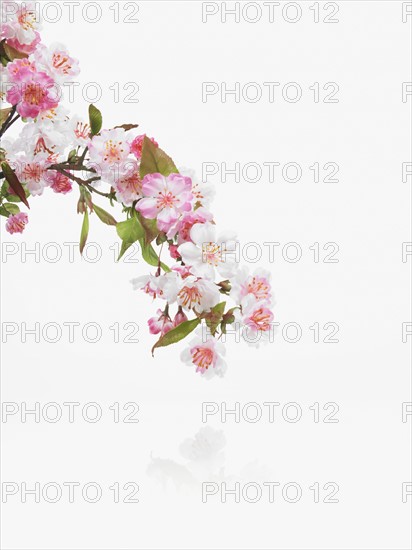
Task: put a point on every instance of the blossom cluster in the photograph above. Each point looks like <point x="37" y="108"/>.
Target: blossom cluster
<point x="194" y="268"/>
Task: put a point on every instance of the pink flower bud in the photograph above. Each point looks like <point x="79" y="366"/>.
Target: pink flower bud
<point x="179" y="318"/>
<point x="137" y="145"/>
<point x="160" y="324"/>
<point x="173" y="251"/>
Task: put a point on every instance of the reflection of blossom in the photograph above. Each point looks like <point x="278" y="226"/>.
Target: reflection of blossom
<point x="205" y="460"/>
<point x="204" y="445"/>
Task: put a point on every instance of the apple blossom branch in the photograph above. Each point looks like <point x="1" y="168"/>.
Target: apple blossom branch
<point x="165" y="207"/>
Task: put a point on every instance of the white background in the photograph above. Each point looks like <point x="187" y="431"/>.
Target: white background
<point x="169" y="53"/>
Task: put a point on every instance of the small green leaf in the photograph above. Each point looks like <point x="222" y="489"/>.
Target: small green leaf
<point x="3" y="212"/>
<point x="177" y="334"/>
<point x="85" y="231"/>
<point x="214" y="317"/>
<point x="161" y="238"/>
<point x="11" y="208"/>
<point x="96" y="119"/>
<point x="13" y="198"/>
<point x="154" y="160"/>
<point x="228" y="318"/>
<point x="129" y="231"/>
<point x="14" y="182"/>
<point x="104" y="216"/>
<point x="72" y="157"/>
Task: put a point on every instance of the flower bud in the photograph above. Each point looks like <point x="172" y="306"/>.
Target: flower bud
<point x="180" y="317"/>
<point x="173" y="251"/>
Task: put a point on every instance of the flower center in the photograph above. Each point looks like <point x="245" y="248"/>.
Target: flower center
<point x="261" y="318"/>
<point x="27" y="18"/>
<point x="259" y="288"/>
<point x="82" y="130"/>
<point x="113" y="152"/>
<point x="212" y="254"/>
<point x="33" y="94"/>
<point x="61" y="63"/>
<point x="166" y="199"/>
<point x="19" y="224"/>
<point x="189" y="296"/>
<point x="41" y="147"/>
<point x="32" y="172"/>
<point x="132" y="183"/>
<point x="202" y="357"/>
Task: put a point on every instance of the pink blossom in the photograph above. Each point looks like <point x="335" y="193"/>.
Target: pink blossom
<point x="162" y="286"/>
<point x="125" y="178"/>
<point x="19" y="22"/>
<point x="109" y="148"/>
<point x="184" y="225"/>
<point x="257" y="284"/>
<point x="160" y="324"/>
<point x="165" y="198"/>
<point x="260" y="318"/>
<point x="147" y="283"/>
<point x="32" y="91"/>
<point x="257" y="320"/>
<point x="56" y="61"/>
<point x="205" y="353"/>
<point x="32" y="171"/>
<point x="183" y="270"/>
<point x="59" y="182"/>
<point x="17" y="223"/>
<point x="206" y="253"/>
<point x="25" y="48"/>
<point x="20" y="70"/>
<point x="198" y="294"/>
<point x="137" y="145"/>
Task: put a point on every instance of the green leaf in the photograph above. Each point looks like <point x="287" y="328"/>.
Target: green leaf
<point x="14" y="182"/>
<point x="228" y="318"/>
<point x="9" y="53"/>
<point x="150" y="228"/>
<point x="129" y="231"/>
<point x="96" y="119"/>
<point x="85" y="231"/>
<point x="177" y="334"/>
<point x="72" y="157"/>
<point x="150" y="256"/>
<point x="104" y="216"/>
<point x="11" y="208"/>
<point x="161" y="238"/>
<point x="214" y="317"/>
<point x="4" y="113"/>
<point x="3" y="212"/>
<point x="154" y="160"/>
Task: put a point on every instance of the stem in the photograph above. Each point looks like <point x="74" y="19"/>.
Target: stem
<point x="159" y="265"/>
<point x="76" y="179"/>
<point x="71" y="167"/>
<point x="93" y="190"/>
<point x="81" y="160"/>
